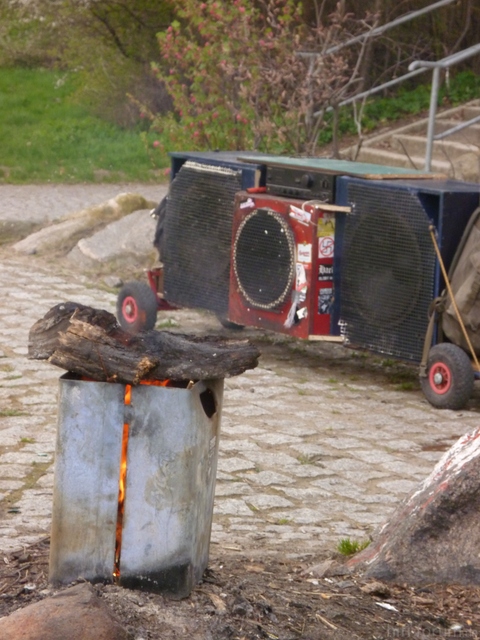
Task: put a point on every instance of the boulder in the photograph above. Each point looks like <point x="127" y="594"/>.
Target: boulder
<point x="74" y="614"/>
<point x="127" y="239"/>
<point x="63" y="235"/>
<point x="434" y="536"/>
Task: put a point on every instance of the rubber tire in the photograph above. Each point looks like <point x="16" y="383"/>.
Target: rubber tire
<point x="456" y="387"/>
<point x="137" y="307"/>
<point x="227" y="324"/>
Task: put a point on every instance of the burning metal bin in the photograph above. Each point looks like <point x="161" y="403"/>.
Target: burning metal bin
<point x="170" y="481"/>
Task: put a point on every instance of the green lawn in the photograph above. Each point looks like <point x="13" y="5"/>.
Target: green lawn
<point x="46" y="136"/>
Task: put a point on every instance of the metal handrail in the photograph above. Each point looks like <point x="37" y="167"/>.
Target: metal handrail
<point x="373" y="90"/>
<point x="379" y="30"/>
<point x="445" y="63"/>
<point x="413" y="71"/>
<point x="456" y="129"/>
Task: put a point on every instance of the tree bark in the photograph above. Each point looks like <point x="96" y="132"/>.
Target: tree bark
<point x="90" y="343"/>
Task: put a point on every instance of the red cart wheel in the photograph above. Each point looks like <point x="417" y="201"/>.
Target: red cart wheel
<point x="137" y="307"/>
<point x="449" y="380"/>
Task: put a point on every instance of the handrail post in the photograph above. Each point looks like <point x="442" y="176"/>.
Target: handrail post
<point x="431" y="118"/>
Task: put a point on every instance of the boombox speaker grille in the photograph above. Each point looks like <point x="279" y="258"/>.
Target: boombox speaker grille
<point x="264" y="258"/>
<point x="388" y="271"/>
<point x="198" y="236"/>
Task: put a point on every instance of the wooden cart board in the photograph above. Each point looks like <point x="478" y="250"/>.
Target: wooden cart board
<point x="344" y="167"/>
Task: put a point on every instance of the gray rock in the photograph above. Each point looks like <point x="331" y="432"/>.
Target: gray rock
<point x="434" y="535"/>
<point x="132" y="235"/>
<point x="81" y="223"/>
<point x="75" y="613"/>
<point x="114" y="282"/>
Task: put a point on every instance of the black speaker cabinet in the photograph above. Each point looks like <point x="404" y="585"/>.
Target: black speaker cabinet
<point x="388" y="272"/>
<point x="198" y="227"/>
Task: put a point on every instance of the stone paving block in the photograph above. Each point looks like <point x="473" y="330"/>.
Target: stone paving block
<point x="342" y="443"/>
<point x="13" y="458"/>
<point x="407" y="468"/>
<point x="14" y="471"/>
<point x="301" y="516"/>
<point x="305" y="494"/>
<point x="304" y="471"/>
<point x="232" y="488"/>
<point x="233" y="507"/>
<point x="270" y="478"/>
<point x="307" y="449"/>
<point x="273" y="459"/>
<point x="230" y="427"/>
<point x="244" y="447"/>
<point x="37" y="501"/>
<point x="46" y="482"/>
<point x="275" y="439"/>
<point x="344" y="465"/>
<point x="234" y="464"/>
<point x="263" y="501"/>
<point x="374" y="456"/>
<point x="399" y="486"/>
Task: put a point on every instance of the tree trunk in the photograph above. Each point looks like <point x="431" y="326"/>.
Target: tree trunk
<point x="90" y="343"/>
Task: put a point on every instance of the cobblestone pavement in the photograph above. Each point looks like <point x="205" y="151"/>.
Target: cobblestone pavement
<point x="317" y="443"/>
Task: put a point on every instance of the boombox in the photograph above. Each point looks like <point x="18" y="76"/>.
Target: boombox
<point x="316" y="248"/>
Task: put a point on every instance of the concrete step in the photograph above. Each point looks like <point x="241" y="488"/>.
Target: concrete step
<point x="392" y="158"/>
<point x="457" y="156"/>
<point x="446" y="149"/>
<point x="470" y="135"/>
<point x="467" y="112"/>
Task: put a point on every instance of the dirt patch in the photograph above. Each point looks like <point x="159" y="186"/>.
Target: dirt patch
<point x="244" y="599"/>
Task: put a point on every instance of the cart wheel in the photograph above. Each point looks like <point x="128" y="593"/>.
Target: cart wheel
<point x="137" y="307"/>
<point x="449" y="380"/>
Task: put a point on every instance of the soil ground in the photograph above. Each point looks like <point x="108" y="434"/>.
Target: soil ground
<point x="244" y="598"/>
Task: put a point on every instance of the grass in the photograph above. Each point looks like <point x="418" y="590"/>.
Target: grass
<point x="10" y="413"/>
<point x="48" y="136"/>
<point x="169" y="323"/>
<point x="308" y="459"/>
<point x="348" y="547"/>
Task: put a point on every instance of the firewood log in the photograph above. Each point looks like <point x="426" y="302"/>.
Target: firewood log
<point x="90" y="343"/>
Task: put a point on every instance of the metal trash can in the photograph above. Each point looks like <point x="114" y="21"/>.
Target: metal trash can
<point x="171" y="462"/>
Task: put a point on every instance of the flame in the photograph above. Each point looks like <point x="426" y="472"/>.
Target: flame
<point x="122" y="484"/>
